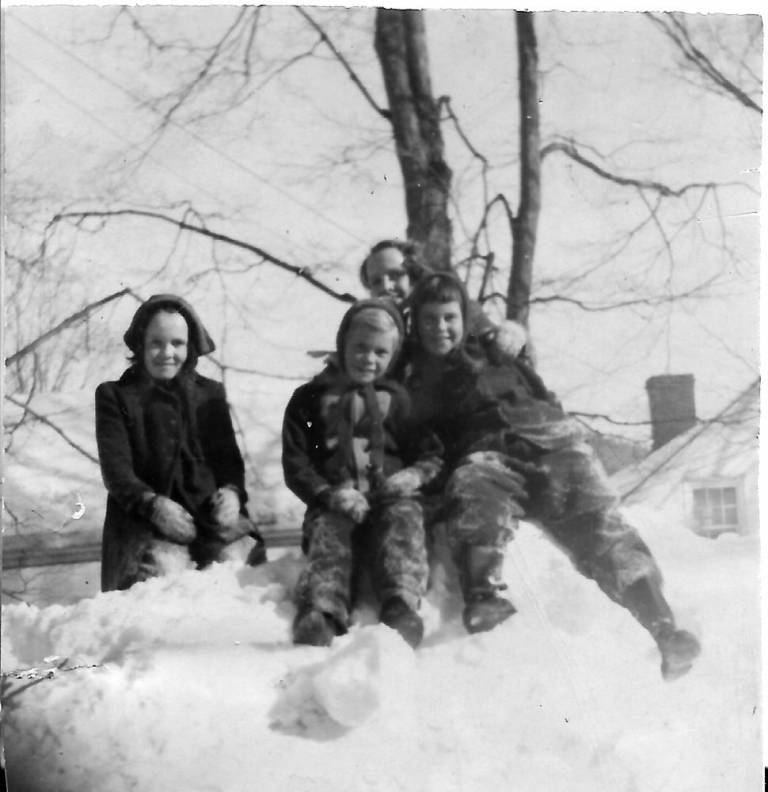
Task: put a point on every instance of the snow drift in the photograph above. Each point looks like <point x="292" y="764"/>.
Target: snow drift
<point x="191" y="682"/>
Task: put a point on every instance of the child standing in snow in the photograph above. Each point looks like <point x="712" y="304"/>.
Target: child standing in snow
<point x="348" y="454"/>
<point x="168" y="454"/>
<point x="512" y="452"/>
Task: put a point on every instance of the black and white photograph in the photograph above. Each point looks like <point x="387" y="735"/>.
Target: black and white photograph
<point x="381" y="400"/>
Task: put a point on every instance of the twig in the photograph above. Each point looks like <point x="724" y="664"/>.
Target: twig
<point x="569" y="149"/>
<point x="345" y="63"/>
<point x="76" y="317"/>
<point x="53" y="426"/>
<point x="301" y="272"/>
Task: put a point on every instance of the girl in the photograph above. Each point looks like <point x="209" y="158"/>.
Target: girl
<point x="168" y="454"/>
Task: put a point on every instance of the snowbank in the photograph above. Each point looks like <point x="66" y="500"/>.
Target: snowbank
<point x="190" y="682"/>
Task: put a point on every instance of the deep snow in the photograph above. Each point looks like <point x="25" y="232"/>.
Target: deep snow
<point x="190" y="682"/>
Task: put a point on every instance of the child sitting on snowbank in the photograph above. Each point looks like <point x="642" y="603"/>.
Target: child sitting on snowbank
<point x="349" y="455"/>
<point x="168" y="454"/>
<point x="511" y="452"/>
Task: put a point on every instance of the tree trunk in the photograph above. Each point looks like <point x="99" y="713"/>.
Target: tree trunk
<point x="527" y="218"/>
<point x="402" y="51"/>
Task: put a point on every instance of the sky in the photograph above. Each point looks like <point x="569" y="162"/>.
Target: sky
<point x="264" y="173"/>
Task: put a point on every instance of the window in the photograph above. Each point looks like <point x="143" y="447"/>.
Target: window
<point x="715" y="510"/>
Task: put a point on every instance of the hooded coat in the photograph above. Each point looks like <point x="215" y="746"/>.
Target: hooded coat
<point x="174" y="439"/>
<point x="465" y="398"/>
<point x="336" y="432"/>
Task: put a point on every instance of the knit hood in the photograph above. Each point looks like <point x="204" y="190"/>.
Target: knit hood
<point x="198" y="335"/>
<point x="381" y="304"/>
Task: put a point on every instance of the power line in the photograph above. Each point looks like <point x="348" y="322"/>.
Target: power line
<point x="112" y="131"/>
<point x="195" y="136"/>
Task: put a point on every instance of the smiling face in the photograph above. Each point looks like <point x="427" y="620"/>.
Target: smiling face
<point x="387" y="275"/>
<point x="165" y="345"/>
<point x="440" y="327"/>
<point x="368" y="352"/>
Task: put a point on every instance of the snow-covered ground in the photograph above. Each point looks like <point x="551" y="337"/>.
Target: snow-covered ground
<point x="191" y="683"/>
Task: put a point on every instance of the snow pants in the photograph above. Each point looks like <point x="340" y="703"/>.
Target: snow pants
<point x="565" y="490"/>
<point x="390" y="544"/>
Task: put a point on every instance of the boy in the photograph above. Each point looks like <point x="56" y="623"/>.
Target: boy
<point x="348" y="454"/>
<point x="512" y="452"/>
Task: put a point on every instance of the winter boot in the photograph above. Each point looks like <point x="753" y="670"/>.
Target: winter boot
<point x="679" y="648"/>
<point x="397" y="614"/>
<point x="480" y="579"/>
<point x="313" y="627"/>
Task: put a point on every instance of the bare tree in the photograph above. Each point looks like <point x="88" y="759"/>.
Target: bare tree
<point x="227" y="67"/>
<point x="402" y="51"/>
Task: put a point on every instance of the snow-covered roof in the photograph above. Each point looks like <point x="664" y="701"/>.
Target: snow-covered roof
<point x="723" y="447"/>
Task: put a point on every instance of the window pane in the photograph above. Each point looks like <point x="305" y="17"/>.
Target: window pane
<point x="715" y="507"/>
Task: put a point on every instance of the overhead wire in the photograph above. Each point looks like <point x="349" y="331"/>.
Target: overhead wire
<point x="199" y="139"/>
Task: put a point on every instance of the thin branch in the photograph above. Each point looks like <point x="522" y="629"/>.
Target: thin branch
<point x="676" y="31"/>
<point x="76" y="317"/>
<point x="569" y="149"/>
<point x="301" y="272"/>
<point x="345" y="63"/>
<point x="185" y="92"/>
<point x="669" y="298"/>
<point x="445" y="102"/>
<point x="53" y="426"/>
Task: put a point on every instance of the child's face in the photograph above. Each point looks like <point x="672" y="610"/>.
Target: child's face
<point x="165" y="345"/>
<point x="387" y="275"/>
<point x="440" y="327"/>
<point x="368" y="353"/>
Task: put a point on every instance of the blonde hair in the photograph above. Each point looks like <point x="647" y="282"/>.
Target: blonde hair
<point x="376" y="319"/>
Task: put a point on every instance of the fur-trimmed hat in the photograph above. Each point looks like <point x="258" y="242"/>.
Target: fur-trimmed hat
<point x="372" y="303"/>
<point x="198" y="335"/>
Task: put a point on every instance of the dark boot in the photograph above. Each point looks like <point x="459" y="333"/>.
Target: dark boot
<point x="398" y="615"/>
<point x="313" y="627"/>
<point x="679" y="648"/>
<point x="480" y="579"/>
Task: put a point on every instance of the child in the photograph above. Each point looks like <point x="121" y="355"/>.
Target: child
<point x="392" y="269"/>
<point x="348" y="454"/>
<point x="167" y="452"/>
<point x="512" y="452"/>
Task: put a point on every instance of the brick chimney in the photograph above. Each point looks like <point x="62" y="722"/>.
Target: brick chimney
<point x="673" y="407"/>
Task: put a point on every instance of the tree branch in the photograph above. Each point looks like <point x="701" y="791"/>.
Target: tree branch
<point x="300" y="272"/>
<point x="677" y="32"/>
<point x="570" y="150"/>
<point x="76" y="317"/>
<point x="53" y="426"/>
<point x="345" y="63"/>
<point x="668" y="298"/>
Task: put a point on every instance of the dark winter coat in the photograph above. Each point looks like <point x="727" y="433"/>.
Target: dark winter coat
<point x="468" y="400"/>
<point x="314" y="456"/>
<point x="173" y="439"/>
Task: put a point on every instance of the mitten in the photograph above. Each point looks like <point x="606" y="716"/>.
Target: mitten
<point x="225" y="506"/>
<point x="348" y="501"/>
<point x="403" y="484"/>
<point x="510" y="338"/>
<point x="172" y="520"/>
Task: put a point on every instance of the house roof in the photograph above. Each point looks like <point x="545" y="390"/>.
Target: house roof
<point x="724" y="446"/>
